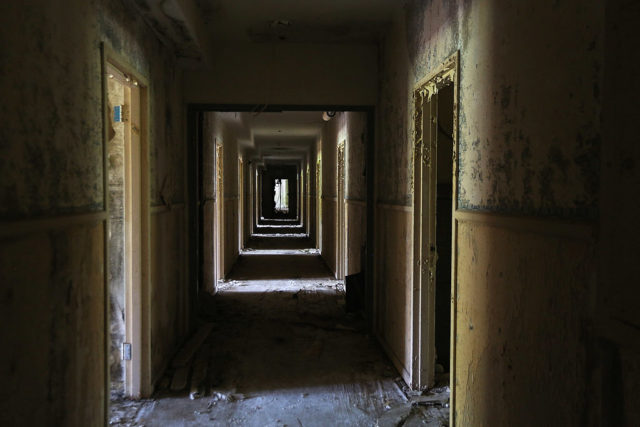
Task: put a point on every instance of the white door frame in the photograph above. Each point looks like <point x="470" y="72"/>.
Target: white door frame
<point x="424" y="221"/>
<point x="340" y="208"/>
<point x="138" y="380"/>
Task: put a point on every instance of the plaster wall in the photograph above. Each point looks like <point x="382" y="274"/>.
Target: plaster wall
<point x="618" y="292"/>
<point x="170" y="305"/>
<point x="208" y="202"/>
<point x="521" y="323"/>
<point x="116" y="274"/>
<point x="392" y="274"/>
<point x="231" y="195"/>
<point x="246" y="200"/>
<point x="334" y="131"/>
<point x="312" y="196"/>
<point x="529" y="142"/>
<point x="355" y="191"/>
<point x="220" y="128"/>
<point x="53" y="202"/>
<point x="52" y="309"/>
<point x="288" y="74"/>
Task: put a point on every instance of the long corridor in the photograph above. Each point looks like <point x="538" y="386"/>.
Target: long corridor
<point x="283" y="352"/>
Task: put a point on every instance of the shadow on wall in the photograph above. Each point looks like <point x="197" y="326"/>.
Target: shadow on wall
<point x="523" y="286"/>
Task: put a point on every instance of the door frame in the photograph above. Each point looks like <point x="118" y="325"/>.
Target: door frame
<point x="424" y="218"/>
<point x="370" y="111"/>
<point x="340" y="210"/>
<point x="219" y="215"/>
<point x="138" y="380"/>
<point x="241" y="225"/>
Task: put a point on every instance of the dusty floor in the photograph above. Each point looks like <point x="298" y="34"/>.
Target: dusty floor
<point x="282" y="352"/>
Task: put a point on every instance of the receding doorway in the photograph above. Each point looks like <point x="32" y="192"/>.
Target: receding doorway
<point x="340" y="207"/>
<point x="281" y="195"/>
<point x="127" y="179"/>
<point x="219" y="218"/>
<point x="435" y="173"/>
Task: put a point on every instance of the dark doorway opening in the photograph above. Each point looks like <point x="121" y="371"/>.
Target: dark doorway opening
<point x="444" y="205"/>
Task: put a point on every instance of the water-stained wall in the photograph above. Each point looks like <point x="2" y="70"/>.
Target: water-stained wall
<point x="334" y="132"/>
<point x="116" y="233"/>
<point x="220" y="129"/>
<point x="355" y="191"/>
<point x="529" y="173"/>
<point x="52" y="204"/>
<point x="231" y="194"/>
<point x="350" y="128"/>
<point x="210" y="131"/>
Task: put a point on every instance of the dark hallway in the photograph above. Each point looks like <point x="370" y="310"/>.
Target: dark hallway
<point x="283" y="351"/>
<point x="186" y="185"/>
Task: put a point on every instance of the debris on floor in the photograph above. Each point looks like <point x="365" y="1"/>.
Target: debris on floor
<point x="281" y="351"/>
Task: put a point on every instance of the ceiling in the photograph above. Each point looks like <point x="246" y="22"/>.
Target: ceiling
<point x="286" y="135"/>
<point x="192" y="27"/>
<point x="327" y="21"/>
<point x="287" y="124"/>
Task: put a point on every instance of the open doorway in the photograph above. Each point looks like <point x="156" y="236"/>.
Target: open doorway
<point x="340" y="208"/>
<point x="288" y="190"/>
<point x="444" y="194"/>
<point x="219" y="216"/>
<point x="241" y="222"/>
<point x="319" y="201"/>
<point x="125" y="99"/>
<point x="281" y="195"/>
<point x="434" y="203"/>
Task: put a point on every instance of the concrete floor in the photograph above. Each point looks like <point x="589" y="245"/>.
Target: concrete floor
<point x="283" y="352"/>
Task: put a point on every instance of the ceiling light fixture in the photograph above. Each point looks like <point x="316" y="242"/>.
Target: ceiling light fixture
<point x="328" y="115"/>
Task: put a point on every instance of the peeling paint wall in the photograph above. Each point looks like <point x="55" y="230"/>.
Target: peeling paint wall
<point x="221" y="128"/>
<point x="349" y="127"/>
<point x="530" y="141"/>
<point x="116" y="233"/>
<point x="522" y="328"/>
<point x="208" y="202"/>
<point x="52" y="309"/>
<point x="334" y="131"/>
<point x="355" y="191"/>
<point x="310" y="195"/>
<point x="52" y="204"/>
<point x="231" y="195"/>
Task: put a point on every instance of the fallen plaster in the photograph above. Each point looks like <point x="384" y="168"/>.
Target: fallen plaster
<point x="283" y="352"/>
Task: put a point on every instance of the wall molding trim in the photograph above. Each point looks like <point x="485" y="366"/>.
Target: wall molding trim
<point x="402" y="208"/>
<point x="581" y="230"/>
<point x="38" y="225"/>
<point x="166" y="208"/>
<point x="356" y="202"/>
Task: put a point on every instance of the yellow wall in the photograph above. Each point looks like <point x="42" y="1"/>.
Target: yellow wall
<point x="535" y="83"/>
